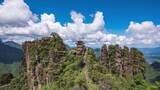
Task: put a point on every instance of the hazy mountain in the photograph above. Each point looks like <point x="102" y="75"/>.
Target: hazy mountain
<point x="10" y="52"/>
<point x="13" y="44"/>
<point x="151" y="54"/>
<point x="156" y="65"/>
<point x="151" y="51"/>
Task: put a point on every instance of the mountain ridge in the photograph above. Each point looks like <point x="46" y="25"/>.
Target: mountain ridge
<point x="13" y="44"/>
<point x="48" y="64"/>
<point x="61" y="64"/>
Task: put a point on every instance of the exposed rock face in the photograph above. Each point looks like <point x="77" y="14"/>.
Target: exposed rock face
<point x="40" y="58"/>
<point x="127" y="69"/>
<point x="137" y="62"/>
<point x="121" y="61"/>
<point x="104" y="55"/>
<point x="118" y="60"/>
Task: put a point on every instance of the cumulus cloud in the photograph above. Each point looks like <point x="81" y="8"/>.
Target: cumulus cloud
<point x="145" y="34"/>
<point x="77" y="17"/>
<point x="15" y="12"/>
<point x="19" y="24"/>
<point x="48" y="24"/>
<point x="78" y="28"/>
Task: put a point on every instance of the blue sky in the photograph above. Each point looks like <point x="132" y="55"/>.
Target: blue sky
<point x="134" y="23"/>
<point x="118" y="13"/>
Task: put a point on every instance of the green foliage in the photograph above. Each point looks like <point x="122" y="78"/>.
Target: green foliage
<point x="5" y="79"/>
<point x="79" y="72"/>
<point x="72" y="76"/>
<point x="10" y="68"/>
<point x="20" y="82"/>
<point x="111" y="54"/>
<point x="56" y="42"/>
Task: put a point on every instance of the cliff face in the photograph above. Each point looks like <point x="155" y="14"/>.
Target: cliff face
<point x="48" y="62"/>
<point x="40" y="59"/>
<point x="123" y="61"/>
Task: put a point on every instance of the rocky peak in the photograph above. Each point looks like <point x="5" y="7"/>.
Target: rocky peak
<point x="42" y="55"/>
<point x="122" y="61"/>
<point x="43" y="59"/>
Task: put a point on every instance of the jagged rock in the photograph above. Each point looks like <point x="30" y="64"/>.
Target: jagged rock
<point x="104" y="55"/>
<point x="127" y="71"/>
<point x="118" y="60"/>
<point x="121" y="61"/>
<point x="40" y="57"/>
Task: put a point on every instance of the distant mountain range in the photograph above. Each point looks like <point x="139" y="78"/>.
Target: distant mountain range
<point x="156" y="65"/>
<point x="13" y="44"/>
<point x="151" y="54"/>
<point x="151" y="51"/>
<point x="10" y="52"/>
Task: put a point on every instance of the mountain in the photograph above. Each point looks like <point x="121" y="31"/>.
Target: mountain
<point x="13" y="44"/>
<point x="150" y="51"/>
<point x="156" y="65"/>
<point x="10" y="52"/>
<point x="10" y="57"/>
<point x="151" y="54"/>
<point x="49" y="64"/>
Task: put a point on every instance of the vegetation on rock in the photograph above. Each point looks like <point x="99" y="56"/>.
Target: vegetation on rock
<point x="49" y="65"/>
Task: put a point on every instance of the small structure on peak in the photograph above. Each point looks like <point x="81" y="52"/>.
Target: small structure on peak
<point x="80" y="48"/>
<point x="80" y="44"/>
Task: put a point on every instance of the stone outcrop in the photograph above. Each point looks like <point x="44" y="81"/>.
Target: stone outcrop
<point x="40" y="59"/>
<point x="122" y="61"/>
<point x="104" y="55"/>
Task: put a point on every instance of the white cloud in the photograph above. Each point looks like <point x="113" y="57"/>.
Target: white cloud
<point x="15" y="12"/>
<point x="145" y="34"/>
<point x="77" y="17"/>
<point x="77" y="30"/>
<point x="47" y="18"/>
<point x="146" y="26"/>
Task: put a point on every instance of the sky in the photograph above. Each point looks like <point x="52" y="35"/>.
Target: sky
<point x="134" y="23"/>
<point x="118" y="13"/>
